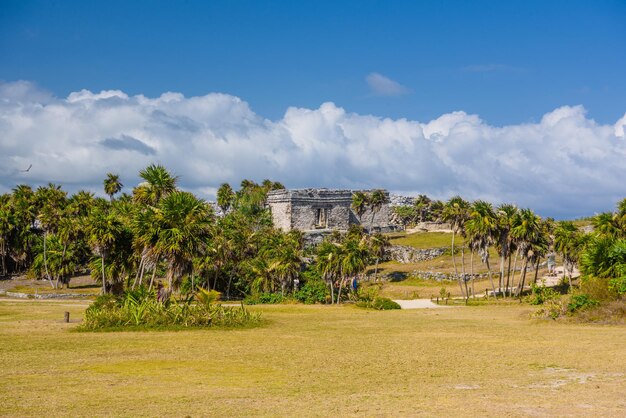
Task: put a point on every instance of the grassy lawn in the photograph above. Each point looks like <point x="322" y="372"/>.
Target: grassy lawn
<point x="314" y="361"/>
<point x="423" y="239"/>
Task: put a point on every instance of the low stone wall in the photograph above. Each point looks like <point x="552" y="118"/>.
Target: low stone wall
<point x="404" y="254"/>
<point x="430" y="227"/>
<point x="18" y="295"/>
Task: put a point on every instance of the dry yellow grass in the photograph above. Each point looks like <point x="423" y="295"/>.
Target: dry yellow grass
<point x="314" y="361"/>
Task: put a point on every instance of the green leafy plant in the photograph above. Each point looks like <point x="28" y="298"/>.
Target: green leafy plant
<point x="580" y="303"/>
<point x="140" y="310"/>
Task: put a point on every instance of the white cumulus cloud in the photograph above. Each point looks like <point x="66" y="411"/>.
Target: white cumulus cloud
<point x="566" y="165"/>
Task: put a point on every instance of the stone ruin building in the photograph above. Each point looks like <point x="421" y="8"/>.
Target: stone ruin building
<point x="322" y="209"/>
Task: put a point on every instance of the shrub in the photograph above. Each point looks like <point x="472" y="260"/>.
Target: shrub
<point x="367" y="297"/>
<point x="541" y="294"/>
<point x="313" y="291"/>
<point x="551" y="309"/>
<point x="140" y="309"/>
<point x="265" y="298"/>
<point x="580" y="303"/>
<point x="383" y="304"/>
<point x="597" y="288"/>
<point x="618" y="285"/>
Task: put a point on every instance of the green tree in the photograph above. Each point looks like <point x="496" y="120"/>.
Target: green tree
<point x="182" y="225"/>
<point x="102" y="231"/>
<point x="482" y="230"/>
<point x="112" y="185"/>
<point x="456" y="213"/>
<point x="225" y="197"/>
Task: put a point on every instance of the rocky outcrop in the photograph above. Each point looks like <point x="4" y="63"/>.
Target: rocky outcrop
<point x="404" y="254"/>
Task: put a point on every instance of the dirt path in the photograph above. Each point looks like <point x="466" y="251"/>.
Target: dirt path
<point x="551" y="281"/>
<point x="419" y="304"/>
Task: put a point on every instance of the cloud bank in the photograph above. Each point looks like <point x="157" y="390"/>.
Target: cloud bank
<point x="566" y="165"/>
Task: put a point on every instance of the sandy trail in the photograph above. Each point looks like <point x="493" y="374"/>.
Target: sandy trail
<point x="419" y="304"/>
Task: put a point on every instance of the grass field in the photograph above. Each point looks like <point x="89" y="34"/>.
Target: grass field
<point x="423" y="239"/>
<point x="314" y="361"/>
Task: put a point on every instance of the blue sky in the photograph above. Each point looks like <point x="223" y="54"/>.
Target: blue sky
<point x="508" y="61"/>
<point x="509" y="101"/>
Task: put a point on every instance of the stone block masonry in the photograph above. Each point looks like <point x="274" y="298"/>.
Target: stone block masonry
<point x="318" y="209"/>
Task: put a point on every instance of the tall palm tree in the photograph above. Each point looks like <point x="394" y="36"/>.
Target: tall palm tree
<point x="527" y="233"/>
<point x="102" y="231"/>
<point x="225" y="197"/>
<point x="376" y="200"/>
<point x="50" y="200"/>
<point x="482" y="230"/>
<point x="378" y="244"/>
<point x="183" y="226"/>
<point x="567" y="243"/>
<point x="506" y="214"/>
<point x="7" y="224"/>
<point x="607" y="224"/>
<point x="159" y="183"/>
<point x="456" y="212"/>
<point x="421" y="204"/>
<point x="112" y="185"/>
<point x="359" y="203"/>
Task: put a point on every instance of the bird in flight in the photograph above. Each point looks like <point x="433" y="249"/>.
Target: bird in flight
<point x="27" y="170"/>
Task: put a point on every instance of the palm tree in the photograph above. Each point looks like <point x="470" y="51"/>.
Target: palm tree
<point x="376" y="200"/>
<point x="378" y="244"/>
<point x="456" y="212"/>
<point x="607" y="224"/>
<point x="51" y="200"/>
<point x="527" y="233"/>
<point x="482" y="229"/>
<point x="112" y="185"/>
<point x="159" y="183"/>
<point x="6" y="228"/>
<point x="103" y="229"/>
<point x="421" y="204"/>
<point x="225" y="197"/>
<point x="359" y="203"/>
<point x="182" y="226"/>
<point x="506" y="214"/>
<point x="567" y="243"/>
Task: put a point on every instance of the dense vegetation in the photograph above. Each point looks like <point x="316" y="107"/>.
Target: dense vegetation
<point x="159" y="233"/>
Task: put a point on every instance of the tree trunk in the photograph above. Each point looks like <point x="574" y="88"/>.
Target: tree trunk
<point x="340" y="289"/>
<point x="536" y="270"/>
<point x="139" y="271"/>
<point x="501" y="281"/>
<point x="520" y="285"/>
<point x="508" y="275"/>
<point x="376" y="270"/>
<point x="332" y="292"/>
<point x="493" y="287"/>
<point x="152" y="278"/>
<point x="513" y="276"/>
<point x="45" y="258"/>
<point x="472" y="274"/>
<point x="456" y="271"/>
<point x="230" y="279"/>
<point x="104" y="281"/>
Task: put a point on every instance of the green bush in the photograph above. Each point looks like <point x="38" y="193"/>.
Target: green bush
<point x="551" y="309"/>
<point x="367" y="297"/>
<point x="541" y="294"/>
<point x="618" y="285"/>
<point x="580" y="303"/>
<point x="384" y="304"/>
<point x="264" y="299"/>
<point x="139" y="309"/>
<point x="313" y="291"/>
